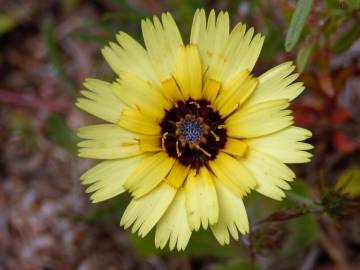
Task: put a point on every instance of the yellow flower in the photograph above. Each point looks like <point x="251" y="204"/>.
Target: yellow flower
<point x="192" y="131"/>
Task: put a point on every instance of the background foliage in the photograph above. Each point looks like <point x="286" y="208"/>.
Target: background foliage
<point x="47" y="48"/>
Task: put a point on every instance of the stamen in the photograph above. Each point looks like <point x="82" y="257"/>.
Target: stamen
<point x="202" y="150"/>
<point x="172" y="122"/>
<point x="217" y="138"/>
<point x="221" y="126"/>
<point x="196" y="104"/>
<point x="178" y="153"/>
<point x="163" y="138"/>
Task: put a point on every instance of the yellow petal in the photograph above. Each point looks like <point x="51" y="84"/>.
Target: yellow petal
<point x="240" y="52"/>
<point x="232" y="215"/>
<point x="145" y="212"/>
<point x="284" y="145"/>
<point x="150" y="143"/>
<point x="235" y="147"/>
<point x="149" y="173"/>
<point x="105" y="132"/>
<point x="271" y="174"/>
<point x="235" y="93"/>
<point x="201" y="199"/>
<point x="188" y="73"/>
<point x="171" y="90"/>
<point x="130" y="57"/>
<point x="230" y="88"/>
<point x="138" y="122"/>
<point x="107" y="141"/>
<point x="106" y="178"/>
<point x="137" y="93"/>
<point x="259" y="120"/>
<point x="162" y="39"/>
<point x="233" y="174"/>
<point x="173" y="227"/>
<point x="277" y="83"/>
<point x="198" y="26"/>
<point x="211" y="90"/>
<point x="210" y="37"/>
<point x="224" y="55"/>
<point x="101" y="101"/>
<point x="177" y="175"/>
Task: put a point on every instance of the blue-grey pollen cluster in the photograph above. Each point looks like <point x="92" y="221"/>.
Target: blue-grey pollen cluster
<point x="190" y="131"/>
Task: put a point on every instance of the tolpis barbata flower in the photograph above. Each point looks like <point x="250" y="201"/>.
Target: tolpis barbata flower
<point x="190" y="130"/>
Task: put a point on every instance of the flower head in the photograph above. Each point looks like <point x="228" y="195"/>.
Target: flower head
<point x="191" y="130"/>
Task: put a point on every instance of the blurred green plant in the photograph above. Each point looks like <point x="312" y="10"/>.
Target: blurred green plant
<point x="303" y="55"/>
<point x="7" y="23"/>
<point x="103" y="214"/>
<point x="22" y="127"/>
<point x="202" y="244"/>
<point x="58" y="132"/>
<point x="71" y="4"/>
<point x="288" y="231"/>
<point x="349" y="182"/>
<point x="347" y="39"/>
<point x="304" y="229"/>
<point x="54" y="56"/>
<point x="237" y="265"/>
<point x="342" y="200"/>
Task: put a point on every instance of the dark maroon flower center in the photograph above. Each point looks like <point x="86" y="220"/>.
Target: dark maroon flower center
<point x="193" y="132"/>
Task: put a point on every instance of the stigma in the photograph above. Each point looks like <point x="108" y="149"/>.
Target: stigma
<point x="190" y="130"/>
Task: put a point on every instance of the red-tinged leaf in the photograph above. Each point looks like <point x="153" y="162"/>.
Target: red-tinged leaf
<point x="309" y="104"/>
<point x="342" y="75"/>
<point x="339" y="116"/>
<point x="325" y="83"/>
<point x="307" y="111"/>
<point x="285" y="215"/>
<point x="342" y="143"/>
<point x="305" y="118"/>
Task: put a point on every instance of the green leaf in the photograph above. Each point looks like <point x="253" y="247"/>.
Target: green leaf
<point x="7" y="23"/>
<point x="301" y="13"/>
<point x="58" y="132"/>
<point x="303" y="56"/>
<point x="347" y="40"/>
